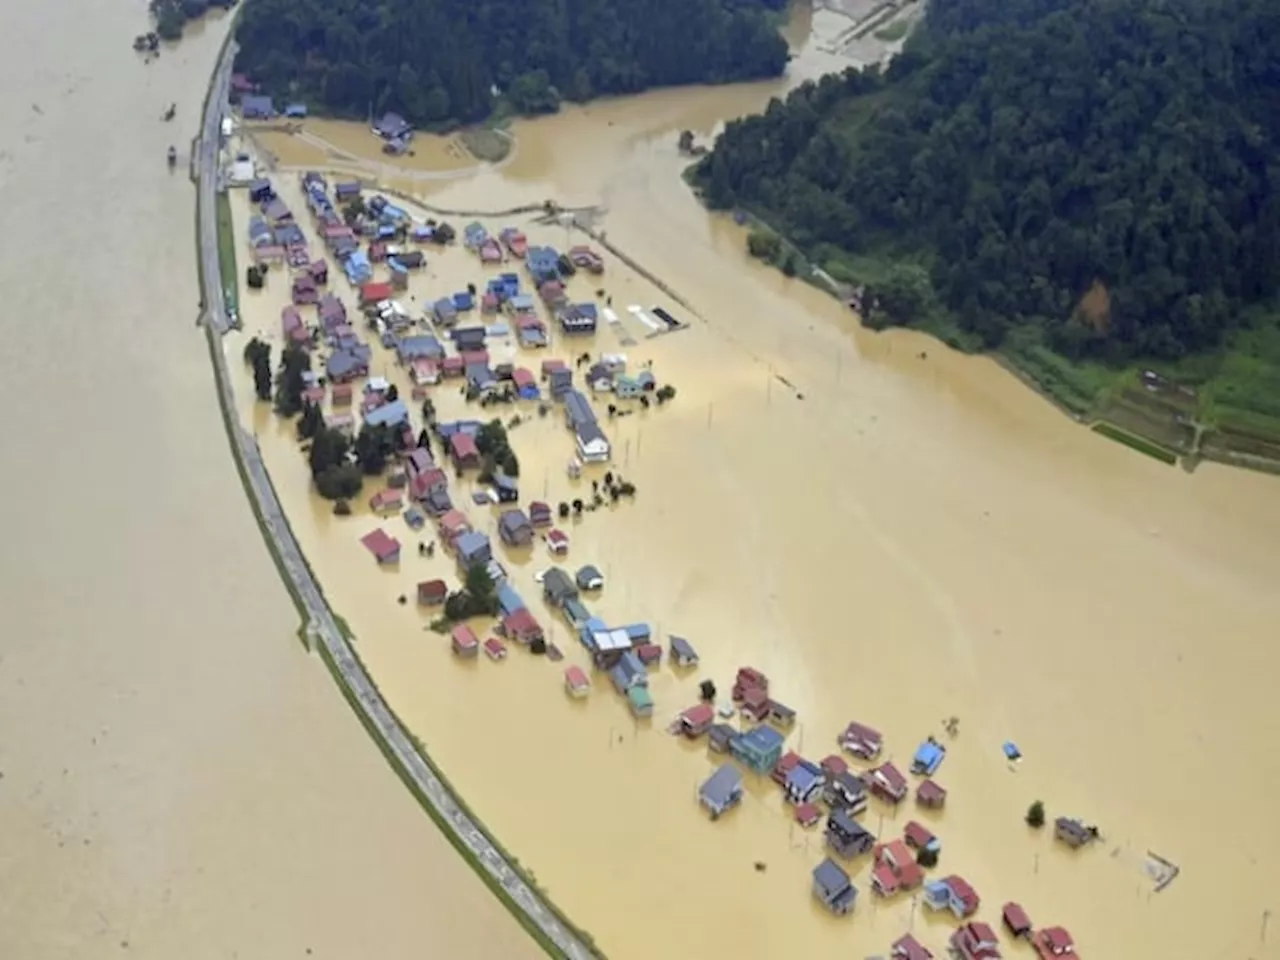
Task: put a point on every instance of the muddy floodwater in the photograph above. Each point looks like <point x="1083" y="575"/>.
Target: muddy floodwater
<point x="893" y="532"/>
<point x="177" y="777"/>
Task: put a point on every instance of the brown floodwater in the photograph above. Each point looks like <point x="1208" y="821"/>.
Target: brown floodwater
<point x="177" y="777"/>
<point x="918" y="537"/>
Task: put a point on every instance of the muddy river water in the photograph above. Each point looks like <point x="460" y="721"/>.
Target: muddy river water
<point x="918" y="538"/>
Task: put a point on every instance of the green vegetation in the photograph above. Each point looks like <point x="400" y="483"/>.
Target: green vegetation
<point x="295" y="363"/>
<point x="927" y="857"/>
<point x="172" y="15"/>
<point x="495" y="448"/>
<point x="484" y="143"/>
<point x="477" y="598"/>
<point x="375" y="445"/>
<point x="227" y="255"/>
<point x="894" y="31"/>
<point x="437" y="61"/>
<point x="257" y="354"/>
<point x="1035" y="815"/>
<point x="335" y="476"/>
<point x="1088" y="188"/>
<point x="1134" y="442"/>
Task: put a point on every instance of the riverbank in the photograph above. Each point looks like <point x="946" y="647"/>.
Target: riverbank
<point x="1214" y="406"/>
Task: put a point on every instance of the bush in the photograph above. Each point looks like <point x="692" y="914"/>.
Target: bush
<point x="764" y="244"/>
<point x="927" y="857"/>
<point x="340" y="482"/>
<point x="1035" y="815"/>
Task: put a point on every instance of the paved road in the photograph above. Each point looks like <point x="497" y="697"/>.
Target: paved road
<point x="321" y="626"/>
<point x="210" y="176"/>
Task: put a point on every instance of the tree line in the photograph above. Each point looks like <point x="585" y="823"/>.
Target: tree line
<point x="441" y="62"/>
<point x="1099" y="174"/>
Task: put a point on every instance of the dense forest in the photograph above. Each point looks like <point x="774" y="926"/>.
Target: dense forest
<point x="172" y="15"/>
<point x="1100" y="174"/>
<point x="442" y="61"/>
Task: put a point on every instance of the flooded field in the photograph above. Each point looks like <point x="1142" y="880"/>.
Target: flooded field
<point x="894" y="533"/>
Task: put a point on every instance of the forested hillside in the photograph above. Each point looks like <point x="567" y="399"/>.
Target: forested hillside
<point x="438" y="61"/>
<point x="1101" y="174"/>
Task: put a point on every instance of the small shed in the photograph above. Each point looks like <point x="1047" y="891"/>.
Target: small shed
<point x="576" y="682"/>
<point x="495" y="648"/>
<point x="464" y="641"/>
<point x="1016" y="919"/>
<point x="682" y="652"/>
<point x="930" y="795"/>
<point x="432" y="593"/>
<point x="640" y="701"/>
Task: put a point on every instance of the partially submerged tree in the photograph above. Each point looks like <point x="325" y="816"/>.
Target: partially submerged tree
<point x="295" y="363"/>
<point x="257" y="354"/>
<point x="1035" y="815"/>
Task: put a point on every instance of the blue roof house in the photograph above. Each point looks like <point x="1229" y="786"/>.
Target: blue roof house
<point x="833" y="888"/>
<point x="761" y="749"/>
<point x="543" y="264"/>
<point x="463" y="301"/>
<point x="388" y="415"/>
<point x="473" y="547"/>
<point x="721" y="791"/>
<point x="928" y="758"/>
<point x="937" y="895"/>
<point x="474" y="234"/>
<point x="508" y="600"/>
<point x="804" y="783"/>
<point x="419" y="347"/>
<point x="358" y="268"/>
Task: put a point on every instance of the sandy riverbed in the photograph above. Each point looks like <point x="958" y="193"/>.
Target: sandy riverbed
<point x="919" y="537"/>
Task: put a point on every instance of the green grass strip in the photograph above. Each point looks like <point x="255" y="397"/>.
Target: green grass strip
<point x="1134" y="442"/>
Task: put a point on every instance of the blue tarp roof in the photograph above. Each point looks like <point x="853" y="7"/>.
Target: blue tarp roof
<point x="928" y="757"/>
<point x="389" y="414"/>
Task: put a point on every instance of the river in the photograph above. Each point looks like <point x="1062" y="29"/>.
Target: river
<point x="177" y="777"/>
<point x="918" y="538"/>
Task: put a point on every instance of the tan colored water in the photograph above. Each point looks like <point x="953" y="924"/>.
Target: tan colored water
<point x="919" y="537"/>
<point x="177" y="777"/>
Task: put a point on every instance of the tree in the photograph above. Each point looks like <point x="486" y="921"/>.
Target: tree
<point x="428" y="411"/>
<point x="481" y="588"/>
<point x="374" y="444"/>
<point x="328" y="449"/>
<point x="333" y="54"/>
<point x="340" y="482"/>
<point x="764" y="244"/>
<point x="311" y="422"/>
<point x="258" y="355"/>
<point x="295" y="363"/>
<point x="562" y="511"/>
<point x="707" y="690"/>
<point x="393" y="393"/>
<point x="1035" y="815"/>
<point x="927" y="856"/>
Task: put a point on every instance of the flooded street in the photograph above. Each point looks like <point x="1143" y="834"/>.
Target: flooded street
<point x="918" y="538"/>
<point x="177" y="777"/>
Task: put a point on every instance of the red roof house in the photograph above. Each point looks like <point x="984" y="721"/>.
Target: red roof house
<point x="1054" y="942"/>
<point x="862" y="741"/>
<point x="975" y="941"/>
<point x="375" y="292"/>
<point x="385" y="501"/>
<point x="464" y="640"/>
<point x="495" y="648"/>
<point x="1016" y="919"/>
<point x="896" y="869"/>
<point x="422" y="484"/>
<point x="453" y="525"/>
<point x="557" y="541"/>
<point x="540" y="514"/>
<point x="432" y="593"/>
<point x="964" y="899"/>
<point x="466" y="455"/>
<point x="888" y="783"/>
<point x="918" y="835"/>
<point x="576" y="681"/>
<point x="384" y="547"/>
<point x="521" y="626"/>
<point x="697" y="720"/>
<point x="833" y="764"/>
<point x="786" y="763"/>
<point x="807" y="814"/>
<point x="931" y="795"/>
<point x="907" y="947"/>
<point x="551" y="365"/>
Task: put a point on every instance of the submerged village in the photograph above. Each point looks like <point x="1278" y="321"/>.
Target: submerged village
<point x="526" y="341"/>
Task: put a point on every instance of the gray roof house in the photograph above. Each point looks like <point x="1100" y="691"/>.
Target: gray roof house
<point x="473" y="547"/>
<point x="722" y="790"/>
<point x="589" y="577"/>
<point x="515" y="528"/>
<point x="833" y="888"/>
<point x="628" y="672"/>
<point x="682" y="652"/>
<point x="575" y="320"/>
<point x="593" y="445"/>
<point x="418" y="347"/>
<point x="389" y="414"/>
<point x="558" y="587"/>
<point x="256" y="107"/>
<point x="391" y="126"/>
<point x="846" y="836"/>
<point x="469" y="338"/>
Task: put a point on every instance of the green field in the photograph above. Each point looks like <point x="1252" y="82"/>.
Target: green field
<point x="227" y="254"/>
<point x="894" y="31"/>
<point x="1135" y="442"/>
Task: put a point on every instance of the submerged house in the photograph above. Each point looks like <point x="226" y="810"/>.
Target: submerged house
<point x="846" y="836"/>
<point x="593" y="446"/>
<point x="682" y="653"/>
<point x="888" y="783"/>
<point x="760" y="749"/>
<point x="722" y="791"/>
<point x="833" y="888"/>
<point x="392" y="126"/>
<point x="975" y="941"/>
<point x="515" y="528"/>
<point x="804" y="783"/>
<point x="862" y="741"/>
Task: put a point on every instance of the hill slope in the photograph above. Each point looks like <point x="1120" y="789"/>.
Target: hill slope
<point x="1101" y="176"/>
<point x="437" y="61"/>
